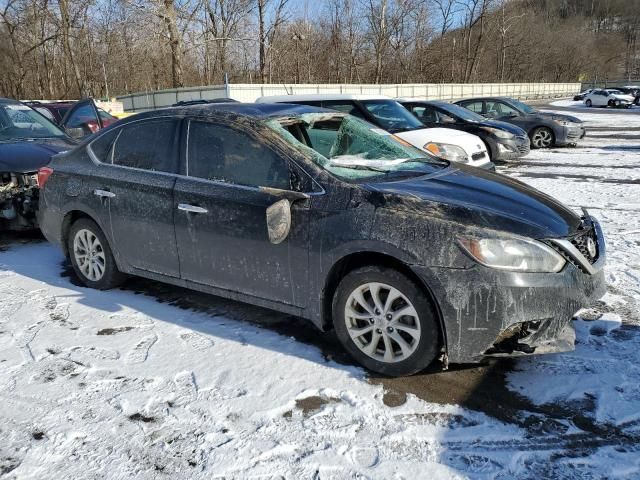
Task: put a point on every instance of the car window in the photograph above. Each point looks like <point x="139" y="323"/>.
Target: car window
<point x="425" y="114"/>
<point x="344" y="106"/>
<point x="218" y="152"/>
<point x="101" y="146"/>
<point x="147" y="145"/>
<point x="392" y="116"/>
<point x="45" y="112"/>
<point x="499" y="109"/>
<point x="18" y="121"/>
<point x="473" y="106"/>
<point x="83" y="117"/>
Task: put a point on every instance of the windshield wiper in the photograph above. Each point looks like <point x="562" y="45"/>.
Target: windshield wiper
<point x="362" y="167"/>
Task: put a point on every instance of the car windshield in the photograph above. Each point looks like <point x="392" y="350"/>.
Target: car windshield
<point x="461" y="112"/>
<point x="354" y="150"/>
<point x="523" y="107"/>
<point x="392" y="116"/>
<point x="18" y="121"/>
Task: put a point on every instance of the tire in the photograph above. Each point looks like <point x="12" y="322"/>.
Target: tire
<point x="542" y="137"/>
<point x="611" y="103"/>
<point x="413" y="337"/>
<point x="100" y="271"/>
<point x="588" y="103"/>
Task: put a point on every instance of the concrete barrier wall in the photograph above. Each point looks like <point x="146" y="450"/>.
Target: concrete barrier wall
<point x="433" y="91"/>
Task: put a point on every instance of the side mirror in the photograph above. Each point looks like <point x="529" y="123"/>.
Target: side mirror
<point x="74" y="132"/>
<point x="279" y="221"/>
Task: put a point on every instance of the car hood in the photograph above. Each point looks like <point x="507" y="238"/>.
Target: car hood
<point x="556" y="117"/>
<point x="25" y="156"/>
<point x="468" y="142"/>
<point x="481" y="199"/>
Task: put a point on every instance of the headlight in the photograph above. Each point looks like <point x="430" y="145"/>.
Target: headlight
<point x="567" y="123"/>
<point x="517" y="255"/>
<point x="497" y="132"/>
<point x="447" y="151"/>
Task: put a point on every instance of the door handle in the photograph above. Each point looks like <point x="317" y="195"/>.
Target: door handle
<point x="185" y="207"/>
<point x="104" y="193"/>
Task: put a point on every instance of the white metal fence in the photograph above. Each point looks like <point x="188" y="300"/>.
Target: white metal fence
<point x="136" y="102"/>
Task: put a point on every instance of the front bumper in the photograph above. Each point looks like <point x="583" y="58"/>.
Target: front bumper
<point x="488" y="312"/>
<point x="510" y="149"/>
<point x="570" y="135"/>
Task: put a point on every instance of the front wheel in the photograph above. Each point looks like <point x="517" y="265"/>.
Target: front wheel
<point x="541" y="137"/>
<point x="91" y="256"/>
<point x="588" y="103"/>
<point x="385" y="321"/>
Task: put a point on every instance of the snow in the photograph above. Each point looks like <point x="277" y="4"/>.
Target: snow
<point x="118" y="384"/>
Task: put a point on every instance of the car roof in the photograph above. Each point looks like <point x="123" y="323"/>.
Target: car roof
<point x="9" y="101"/>
<point x="253" y="110"/>
<point x="477" y="99"/>
<point x="421" y="100"/>
<point x="317" y="97"/>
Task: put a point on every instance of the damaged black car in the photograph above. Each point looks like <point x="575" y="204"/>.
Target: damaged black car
<point x="319" y="214"/>
<point x="27" y="143"/>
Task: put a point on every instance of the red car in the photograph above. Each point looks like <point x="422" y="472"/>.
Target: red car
<point x="78" y="119"/>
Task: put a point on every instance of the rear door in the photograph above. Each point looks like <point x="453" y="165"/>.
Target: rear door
<point x="220" y="215"/>
<point x="135" y="189"/>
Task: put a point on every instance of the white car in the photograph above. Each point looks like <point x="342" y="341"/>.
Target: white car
<point x="608" y="98"/>
<point x="389" y="115"/>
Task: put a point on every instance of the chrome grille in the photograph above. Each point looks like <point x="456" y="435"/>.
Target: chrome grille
<point x="581" y="242"/>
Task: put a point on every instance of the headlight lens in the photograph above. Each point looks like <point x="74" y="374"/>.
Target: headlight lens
<point x="447" y="151"/>
<point x="518" y="255"/>
<point x="566" y="123"/>
<point x="497" y="132"/>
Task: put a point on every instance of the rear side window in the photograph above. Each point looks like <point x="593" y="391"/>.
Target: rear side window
<point x="102" y="146"/>
<point x="147" y="145"/>
<point x="473" y="106"/>
<point x="218" y="152"/>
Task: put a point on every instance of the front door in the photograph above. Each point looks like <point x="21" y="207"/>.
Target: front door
<point x="220" y="216"/>
<point x="82" y="119"/>
<point x="134" y="187"/>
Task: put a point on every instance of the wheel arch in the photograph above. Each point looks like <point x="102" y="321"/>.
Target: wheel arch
<point x="355" y="260"/>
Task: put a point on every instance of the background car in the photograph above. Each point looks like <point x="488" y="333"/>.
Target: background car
<point x="503" y="140"/>
<point x="389" y="115"/>
<point x="318" y="214"/>
<point x="608" y="98"/>
<point x="54" y="111"/>
<point x="28" y="140"/>
<point x="544" y="129"/>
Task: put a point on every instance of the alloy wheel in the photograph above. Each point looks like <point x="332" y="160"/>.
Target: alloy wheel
<point x="542" y="138"/>
<point x="89" y="255"/>
<point x="382" y="322"/>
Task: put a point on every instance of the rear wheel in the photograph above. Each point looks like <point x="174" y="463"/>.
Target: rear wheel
<point x="542" y="137"/>
<point x="385" y="321"/>
<point x="91" y="256"/>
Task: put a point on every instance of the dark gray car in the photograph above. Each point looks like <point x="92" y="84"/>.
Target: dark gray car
<point x="544" y="129"/>
<point x="319" y="214"/>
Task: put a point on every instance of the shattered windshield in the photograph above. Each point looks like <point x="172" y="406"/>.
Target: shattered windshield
<point x="392" y="116"/>
<point x="353" y="149"/>
<point x="19" y="121"/>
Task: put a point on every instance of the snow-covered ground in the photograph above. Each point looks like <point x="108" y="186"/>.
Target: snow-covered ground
<point x="120" y="385"/>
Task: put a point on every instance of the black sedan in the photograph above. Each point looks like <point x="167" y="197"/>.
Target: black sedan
<point x="320" y="214"/>
<point x="544" y="129"/>
<point x="503" y="140"/>
<point x="27" y="142"/>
